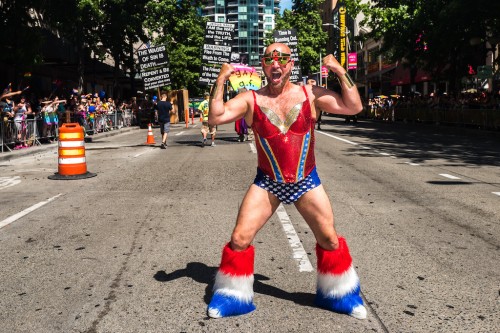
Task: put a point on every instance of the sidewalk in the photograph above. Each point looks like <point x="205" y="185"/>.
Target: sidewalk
<point x="8" y="155"/>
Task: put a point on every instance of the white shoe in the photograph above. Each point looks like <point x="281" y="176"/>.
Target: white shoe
<point x="213" y="144"/>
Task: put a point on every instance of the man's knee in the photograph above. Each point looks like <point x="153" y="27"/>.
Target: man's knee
<point x="240" y="242"/>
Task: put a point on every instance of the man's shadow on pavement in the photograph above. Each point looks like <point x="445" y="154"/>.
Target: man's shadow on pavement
<point x="201" y="273"/>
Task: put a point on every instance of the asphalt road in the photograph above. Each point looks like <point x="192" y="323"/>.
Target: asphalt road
<point x="135" y="248"/>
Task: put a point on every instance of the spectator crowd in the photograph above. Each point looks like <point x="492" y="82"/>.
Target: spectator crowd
<point x="19" y="110"/>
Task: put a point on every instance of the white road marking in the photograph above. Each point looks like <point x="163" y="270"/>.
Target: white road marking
<point x="28" y="210"/>
<point x="33" y="170"/>
<point x="252" y="148"/>
<point x="299" y="253"/>
<point x="9" y="181"/>
<point x="497" y="193"/>
<point x="414" y="164"/>
<point x="448" y="176"/>
<point x="180" y="133"/>
<point x="385" y="154"/>
<point x="144" y="152"/>
<point x="336" y="137"/>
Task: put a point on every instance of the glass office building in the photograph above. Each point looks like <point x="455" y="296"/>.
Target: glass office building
<point x="252" y="19"/>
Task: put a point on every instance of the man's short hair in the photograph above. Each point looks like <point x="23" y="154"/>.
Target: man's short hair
<point x="311" y="81"/>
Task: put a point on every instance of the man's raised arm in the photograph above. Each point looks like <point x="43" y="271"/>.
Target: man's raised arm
<point x="220" y="112"/>
<point x="348" y="102"/>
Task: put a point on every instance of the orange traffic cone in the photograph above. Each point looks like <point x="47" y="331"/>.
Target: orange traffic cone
<point x="72" y="163"/>
<point x="151" y="138"/>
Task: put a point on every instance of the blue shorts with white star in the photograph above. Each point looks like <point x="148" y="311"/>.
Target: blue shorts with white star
<point x="287" y="193"/>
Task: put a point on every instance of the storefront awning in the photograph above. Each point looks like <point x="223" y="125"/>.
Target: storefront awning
<point x="401" y="76"/>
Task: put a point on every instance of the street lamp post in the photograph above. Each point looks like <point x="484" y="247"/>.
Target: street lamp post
<point x="346" y="33"/>
<point x="320" y="74"/>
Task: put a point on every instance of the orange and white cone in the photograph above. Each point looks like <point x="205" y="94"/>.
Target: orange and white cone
<point x="151" y="138"/>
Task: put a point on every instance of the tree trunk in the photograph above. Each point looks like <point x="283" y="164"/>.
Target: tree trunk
<point x="81" y="57"/>
<point x="115" y="76"/>
<point x="132" y="69"/>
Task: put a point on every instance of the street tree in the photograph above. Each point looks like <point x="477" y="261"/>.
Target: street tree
<point x="21" y="34"/>
<point x="180" y="26"/>
<point x="442" y="36"/>
<point x="122" y="28"/>
<point x="305" y="18"/>
<point x="80" y="23"/>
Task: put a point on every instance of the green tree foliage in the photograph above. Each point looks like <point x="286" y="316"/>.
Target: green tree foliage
<point x="443" y="36"/>
<point x="79" y="22"/>
<point x="122" y="27"/>
<point x="305" y="18"/>
<point x="179" y="25"/>
<point x="21" y="35"/>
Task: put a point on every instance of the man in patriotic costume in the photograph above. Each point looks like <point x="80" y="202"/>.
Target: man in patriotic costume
<point x="282" y="118"/>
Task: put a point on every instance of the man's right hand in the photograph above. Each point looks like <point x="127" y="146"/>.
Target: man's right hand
<point x="226" y="71"/>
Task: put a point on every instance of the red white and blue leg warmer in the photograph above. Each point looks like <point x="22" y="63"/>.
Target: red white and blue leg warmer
<point x="338" y="287"/>
<point x="233" y="288"/>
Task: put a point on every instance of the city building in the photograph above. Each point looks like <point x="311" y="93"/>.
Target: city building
<point x="252" y="19"/>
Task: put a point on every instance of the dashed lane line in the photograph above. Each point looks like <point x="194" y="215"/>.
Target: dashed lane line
<point x="299" y="253"/>
<point x="28" y="210"/>
<point x="448" y="176"/>
<point x="338" y="138"/>
<point x="496" y="193"/>
<point x="252" y="148"/>
<point x="142" y="153"/>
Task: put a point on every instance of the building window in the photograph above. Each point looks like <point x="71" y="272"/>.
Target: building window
<point x="242" y="9"/>
<point x="242" y="34"/>
<point x="242" y="17"/>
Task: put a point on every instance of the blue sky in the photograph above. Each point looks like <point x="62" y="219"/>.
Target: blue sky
<point x="285" y="4"/>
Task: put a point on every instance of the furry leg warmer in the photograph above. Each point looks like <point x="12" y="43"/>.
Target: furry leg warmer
<point x="233" y="288"/>
<point x="338" y="287"/>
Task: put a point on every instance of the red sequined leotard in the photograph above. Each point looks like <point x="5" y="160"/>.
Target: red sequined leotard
<point x="285" y="149"/>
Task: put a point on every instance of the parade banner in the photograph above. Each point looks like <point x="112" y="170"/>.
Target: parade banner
<point x="289" y="37"/>
<point x="244" y="77"/>
<point x="153" y="65"/>
<point x="216" y="50"/>
<point x="156" y="78"/>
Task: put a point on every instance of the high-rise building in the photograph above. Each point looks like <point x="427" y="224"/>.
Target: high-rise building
<point x="252" y="19"/>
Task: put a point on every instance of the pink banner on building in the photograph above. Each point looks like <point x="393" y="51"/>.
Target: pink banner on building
<point x="324" y="71"/>
<point x="352" y="60"/>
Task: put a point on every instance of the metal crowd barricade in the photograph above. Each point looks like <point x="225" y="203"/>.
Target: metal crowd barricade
<point x="31" y="131"/>
<point x="127" y="117"/>
<point x="26" y="133"/>
<point x="480" y="118"/>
